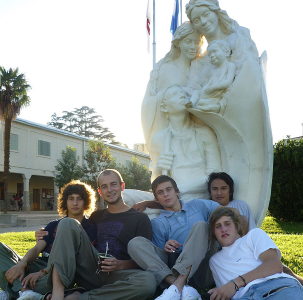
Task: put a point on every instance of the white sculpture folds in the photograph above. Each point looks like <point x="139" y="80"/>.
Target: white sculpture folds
<point x="209" y="112"/>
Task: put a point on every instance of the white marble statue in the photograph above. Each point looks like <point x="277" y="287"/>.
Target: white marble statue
<point x="188" y="151"/>
<point x="229" y="113"/>
<point x="210" y="97"/>
<point x="174" y="68"/>
<point x="243" y="129"/>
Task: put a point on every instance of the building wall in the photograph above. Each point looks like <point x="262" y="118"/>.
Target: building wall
<point x="36" y="171"/>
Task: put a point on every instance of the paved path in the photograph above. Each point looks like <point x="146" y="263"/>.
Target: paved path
<point x="32" y="214"/>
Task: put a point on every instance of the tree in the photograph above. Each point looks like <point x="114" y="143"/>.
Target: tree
<point x="67" y="167"/>
<point x="13" y="97"/>
<point x="135" y="176"/>
<point x="97" y="157"/>
<point x="286" y="201"/>
<point x="85" y="122"/>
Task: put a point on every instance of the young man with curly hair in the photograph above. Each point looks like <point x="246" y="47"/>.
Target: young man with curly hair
<point x="73" y="257"/>
<point x="28" y="275"/>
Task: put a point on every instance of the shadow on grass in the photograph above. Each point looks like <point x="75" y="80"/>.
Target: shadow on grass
<point x="271" y="225"/>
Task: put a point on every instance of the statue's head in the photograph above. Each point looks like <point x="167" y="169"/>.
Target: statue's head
<point x="173" y="100"/>
<point x="206" y="16"/>
<point x="185" y="34"/>
<point x="218" y="50"/>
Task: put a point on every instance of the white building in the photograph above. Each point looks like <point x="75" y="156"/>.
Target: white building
<point x="35" y="150"/>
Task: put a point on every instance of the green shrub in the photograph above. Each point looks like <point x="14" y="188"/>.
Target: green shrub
<point x="287" y="186"/>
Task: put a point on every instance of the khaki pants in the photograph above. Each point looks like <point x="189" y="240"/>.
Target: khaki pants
<point x="8" y="259"/>
<point x="195" y="253"/>
<point x="76" y="260"/>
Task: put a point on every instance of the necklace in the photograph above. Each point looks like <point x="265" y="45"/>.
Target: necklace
<point x="186" y="74"/>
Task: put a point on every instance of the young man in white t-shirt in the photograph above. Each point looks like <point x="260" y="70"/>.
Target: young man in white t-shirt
<point x="247" y="267"/>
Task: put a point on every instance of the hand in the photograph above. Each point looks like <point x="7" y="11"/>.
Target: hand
<point x="171" y="246"/>
<point x="39" y="234"/>
<point x="16" y="271"/>
<point x="165" y="161"/>
<point x="32" y="279"/>
<point x="111" y="264"/>
<point x="215" y="108"/>
<point x="195" y="97"/>
<point x="209" y="90"/>
<point x="224" y="292"/>
<point x="140" y="206"/>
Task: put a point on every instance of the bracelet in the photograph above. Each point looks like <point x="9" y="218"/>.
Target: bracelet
<point x="44" y="271"/>
<point x="236" y="287"/>
<point x="243" y="279"/>
<point x="24" y="261"/>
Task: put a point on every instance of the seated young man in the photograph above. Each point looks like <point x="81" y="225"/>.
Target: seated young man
<point x="73" y="258"/>
<point x="180" y="226"/>
<point x="247" y="267"/>
<point x="221" y="189"/>
<point x="27" y="275"/>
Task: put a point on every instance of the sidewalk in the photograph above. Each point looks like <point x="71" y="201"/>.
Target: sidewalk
<point x="46" y="215"/>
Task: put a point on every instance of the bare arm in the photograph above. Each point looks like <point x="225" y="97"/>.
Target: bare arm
<point x="141" y="206"/>
<point x="271" y="264"/>
<point x="19" y="269"/>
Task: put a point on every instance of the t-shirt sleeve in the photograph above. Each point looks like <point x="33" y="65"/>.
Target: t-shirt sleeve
<point x="159" y="236"/>
<point x="144" y="227"/>
<point x="50" y="227"/>
<point x="260" y="242"/>
<point x="206" y="207"/>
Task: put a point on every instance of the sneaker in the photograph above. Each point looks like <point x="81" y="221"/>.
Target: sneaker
<point x="4" y="295"/>
<point x="171" y="293"/>
<point x="29" y="295"/>
<point x="189" y="293"/>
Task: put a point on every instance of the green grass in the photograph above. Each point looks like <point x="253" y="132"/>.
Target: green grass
<point x="288" y="236"/>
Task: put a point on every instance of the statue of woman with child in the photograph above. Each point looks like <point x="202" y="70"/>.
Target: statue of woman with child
<point x="225" y="89"/>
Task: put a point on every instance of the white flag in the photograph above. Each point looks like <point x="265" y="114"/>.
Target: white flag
<point x="148" y="25"/>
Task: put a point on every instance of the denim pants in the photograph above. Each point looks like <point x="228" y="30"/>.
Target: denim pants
<point x="290" y="289"/>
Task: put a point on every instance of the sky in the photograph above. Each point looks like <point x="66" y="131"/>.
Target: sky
<point x="94" y="53"/>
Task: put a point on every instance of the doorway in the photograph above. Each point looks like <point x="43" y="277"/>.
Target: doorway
<point x="36" y="199"/>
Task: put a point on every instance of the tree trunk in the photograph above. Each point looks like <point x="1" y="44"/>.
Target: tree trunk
<point x="7" y="142"/>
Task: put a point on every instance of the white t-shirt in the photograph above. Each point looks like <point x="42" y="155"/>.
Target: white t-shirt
<point x="244" y="210"/>
<point x="242" y="257"/>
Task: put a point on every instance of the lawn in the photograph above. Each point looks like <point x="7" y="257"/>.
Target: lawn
<point x="288" y="236"/>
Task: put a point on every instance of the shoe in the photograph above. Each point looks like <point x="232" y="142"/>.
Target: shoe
<point x="171" y="293"/>
<point x="29" y="295"/>
<point x="189" y="293"/>
<point x="81" y="290"/>
<point x="4" y="295"/>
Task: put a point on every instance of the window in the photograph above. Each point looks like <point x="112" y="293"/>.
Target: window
<point x="14" y="144"/>
<point x="127" y="163"/>
<point x="43" y="148"/>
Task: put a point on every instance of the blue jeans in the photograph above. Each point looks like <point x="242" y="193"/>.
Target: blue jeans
<point x="290" y="289"/>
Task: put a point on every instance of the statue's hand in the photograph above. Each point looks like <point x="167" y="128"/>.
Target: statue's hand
<point x="195" y="97"/>
<point x="165" y="161"/>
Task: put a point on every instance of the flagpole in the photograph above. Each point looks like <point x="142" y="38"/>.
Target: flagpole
<point x="181" y="10"/>
<point x="154" y="34"/>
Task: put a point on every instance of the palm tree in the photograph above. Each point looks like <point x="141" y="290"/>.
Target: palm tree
<point x="13" y="96"/>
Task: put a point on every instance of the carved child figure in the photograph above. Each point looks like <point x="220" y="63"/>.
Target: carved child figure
<point x="186" y="151"/>
<point x="209" y="98"/>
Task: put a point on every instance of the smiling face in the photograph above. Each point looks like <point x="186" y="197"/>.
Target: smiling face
<point x="220" y="191"/>
<point x="111" y="188"/>
<point x="225" y="231"/>
<point x="216" y="54"/>
<point x="75" y="206"/>
<point x="167" y="196"/>
<point x="190" y="46"/>
<point x="205" y="20"/>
